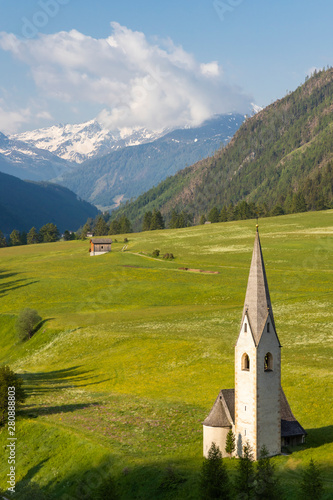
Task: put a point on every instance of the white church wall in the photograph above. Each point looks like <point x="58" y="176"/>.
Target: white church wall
<point x="217" y="435"/>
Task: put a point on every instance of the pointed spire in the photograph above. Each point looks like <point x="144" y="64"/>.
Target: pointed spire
<point x="257" y="300"/>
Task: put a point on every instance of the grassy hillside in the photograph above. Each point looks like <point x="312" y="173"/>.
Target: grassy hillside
<point x="283" y="150"/>
<point x="24" y="204"/>
<point x="134" y="351"/>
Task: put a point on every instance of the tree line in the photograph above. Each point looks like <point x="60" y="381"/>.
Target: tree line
<point x="104" y="225"/>
<point x="253" y="481"/>
<point x="46" y="234"/>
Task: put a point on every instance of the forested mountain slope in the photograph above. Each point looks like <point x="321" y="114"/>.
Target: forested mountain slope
<point x="25" y="204"/>
<point x="284" y="150"/>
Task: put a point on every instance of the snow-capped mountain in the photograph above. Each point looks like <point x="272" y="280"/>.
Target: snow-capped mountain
<point x="26" y="161"/>
<point x="127" y="172"/>
<point x="83" y="141"/>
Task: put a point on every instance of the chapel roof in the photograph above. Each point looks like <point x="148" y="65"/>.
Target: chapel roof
<point x="257" y="302"/>
<point x="289" y="425"/>
<point x="222" y="414"/>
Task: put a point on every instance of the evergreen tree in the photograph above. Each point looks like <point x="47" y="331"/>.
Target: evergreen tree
<point x="230" y="443"/>
<point x="245" y="478"/>
<point x="277" y="210"/>
<point x="311" y="487"/>
<point x="214" y="477"/>
<point x="67" y="235"/>
<point x="224" y="214"/>
<point x="9" y="379"/>
<point x="33" y="236"/>
<point x="146" y="221"/>
<point x="23" y="238"/>
<point x="265" y="482"/>
<point x="114" y="227"/>
<point x="3" y="242"/>
<point x="214" y="215"/>
<point x="299" y="204"/>
<point x="203" y="219"/>
<point x="125" y="225"/>
<point x="86" y="229"/>
<point x="174" y="220"/>
<point x="101" y="228"/>
<point x="49" y="233"/>
<point x="231" y="212"/>
<point x="14" y="238"/>
<point x="157" y="221"/>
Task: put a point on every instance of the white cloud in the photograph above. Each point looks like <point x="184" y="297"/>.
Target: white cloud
<point x="11" y="120"/>
<point x="210" y="69"/>
<point x="136" y="82"/>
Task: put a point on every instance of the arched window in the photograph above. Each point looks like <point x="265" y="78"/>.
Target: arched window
<point x="245" y="362"/>
<point x="268" y="364"/>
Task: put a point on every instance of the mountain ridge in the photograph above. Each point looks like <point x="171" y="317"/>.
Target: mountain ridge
<point x="24" y="204"/>
<point x="130" y="171"/>
<point x="284" y="150"/>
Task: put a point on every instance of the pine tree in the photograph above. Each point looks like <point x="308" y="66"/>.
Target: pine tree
<point x="101" y="228"/>
<point x="14" y="238"/>
<point x="245" y="479"/>
<point x="203" y="219"/>
<point x="86" y="229"/>
<point x="230" y="443"/>
<point x="146" y="221"/>
<point x="224" y="214"/>
<point x="214" y="477"/>
<point x="125" y="225"/>
<point x="311" y="487"/>
<point x="23" y="238"/>
<point x="214" y="215"/>
<point x="33" y="236"/>
<point x="157" y="221"/>
<point x="265" y="482"/>
<point x="114" y="227"/>
<point x="174" y="220"/>
<point x="49" y="233"/>
<point x="3" y="242"/>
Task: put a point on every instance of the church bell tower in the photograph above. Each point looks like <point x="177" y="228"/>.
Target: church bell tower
<point x="258" y="367"/>
<point x="257" y="410"/>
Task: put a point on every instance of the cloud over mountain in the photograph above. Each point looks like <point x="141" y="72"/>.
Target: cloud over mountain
<point x="134" y="81"/>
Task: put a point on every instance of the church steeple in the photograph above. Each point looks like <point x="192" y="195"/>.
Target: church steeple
<point x="257" y="303"/>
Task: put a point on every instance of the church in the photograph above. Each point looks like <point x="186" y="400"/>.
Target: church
<point x="257" y="409"/>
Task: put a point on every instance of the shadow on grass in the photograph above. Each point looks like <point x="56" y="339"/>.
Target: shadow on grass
<point x="36" y="411"/>
<point x="160" y="481"/>
<point x="14" y="285"/>
<point x="44" y="382"/>
<point x="318" y="437"/>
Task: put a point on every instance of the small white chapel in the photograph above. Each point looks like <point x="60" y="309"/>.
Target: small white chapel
<point x="256" y="410"/>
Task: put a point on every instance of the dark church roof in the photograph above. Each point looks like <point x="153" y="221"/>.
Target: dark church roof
<point x="289" y="425"/>
<point x="222" y="414"/>
<point x="257" y="303"/>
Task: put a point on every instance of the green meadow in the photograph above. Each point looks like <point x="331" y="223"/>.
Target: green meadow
<point x="133" y="351"/>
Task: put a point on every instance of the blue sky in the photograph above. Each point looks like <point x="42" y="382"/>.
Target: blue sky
<point x="166" y="63"/>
